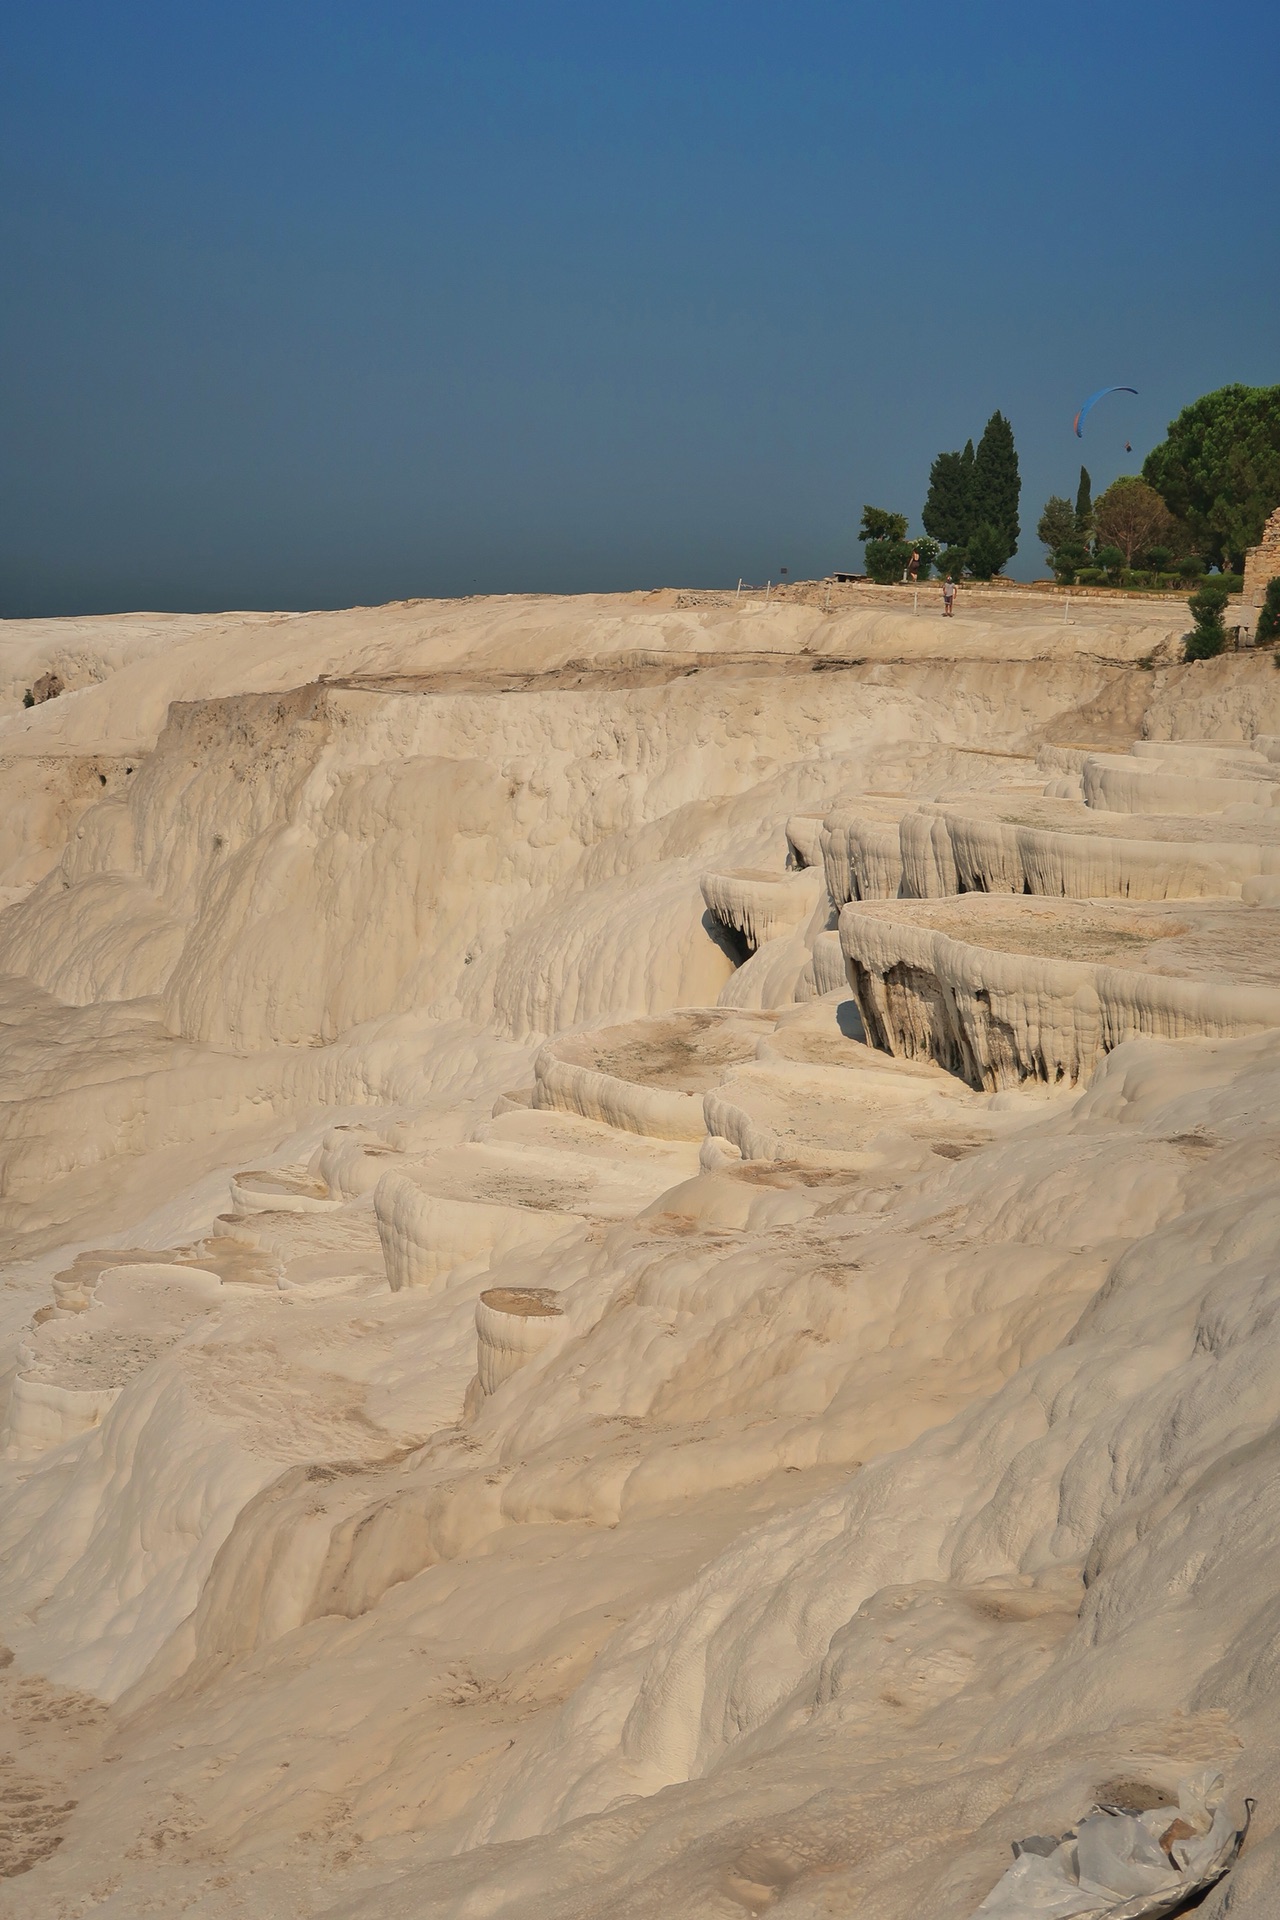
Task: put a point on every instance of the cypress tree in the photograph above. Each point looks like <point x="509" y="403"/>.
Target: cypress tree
<point x="1084" y="505"/>
<point x="966" y="467"/>
<point x="946" y="510"/>
<point x="997" y="487"/>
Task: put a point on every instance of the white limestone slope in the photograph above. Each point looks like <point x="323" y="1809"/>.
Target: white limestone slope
<point x="640" y="1256"/>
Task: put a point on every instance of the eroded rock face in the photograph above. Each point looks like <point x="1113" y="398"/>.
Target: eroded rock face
<point x="631" y="1240"/>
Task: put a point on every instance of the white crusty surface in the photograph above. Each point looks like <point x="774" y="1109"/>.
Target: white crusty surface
<point x="638" y="1254"/>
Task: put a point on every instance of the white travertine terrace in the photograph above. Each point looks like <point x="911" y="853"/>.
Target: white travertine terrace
<point x="764" y="906"/>
<point x="1201" y="784"/>
<point x="804" y="841"/>
<point x="575" y="1087"/>
<point x="999" y="1017"/>
<point x="862" y="853"/>
<point x="73" y="1367"/>
<point x="639" y="1254"/>
<point x="647" y="1077"/>
<point x="1080" y="855"/>
<point x="425" y="1235"/>
<point x="260" y="1191"/>
<point x="512" y="1325"/>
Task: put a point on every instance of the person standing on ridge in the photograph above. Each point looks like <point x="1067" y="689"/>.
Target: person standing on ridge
<point x="948" y="597"/>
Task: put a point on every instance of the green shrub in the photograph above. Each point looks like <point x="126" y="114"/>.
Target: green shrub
<point x="1209" y="635"/>
<point x="928" y="552"/>
<point x="1208" y="601"/>
<point x="954" y="561"/>
<point x="887" y="560"/>
<point x="988" y="550"/>
<point x="1112" y="558"/>
<point x="878" y="524"/>
<point x="1158" y="558"/>
<point x="1056" y="529"/>
<point x="1269" y="616"/>
<point x="1092" y="577"/>
<point x="1190" y="567"/>
<point x="1067" y="560"/>
<point x="1202" y="643"/>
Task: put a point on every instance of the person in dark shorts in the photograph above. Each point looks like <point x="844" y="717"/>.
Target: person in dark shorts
<point x="948" y="597"/>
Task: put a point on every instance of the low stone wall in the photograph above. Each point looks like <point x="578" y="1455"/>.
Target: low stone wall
<point x="1262" y="563"/>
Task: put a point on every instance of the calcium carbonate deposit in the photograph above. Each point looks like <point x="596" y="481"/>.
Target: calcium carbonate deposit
<point x="641" y="1274"/>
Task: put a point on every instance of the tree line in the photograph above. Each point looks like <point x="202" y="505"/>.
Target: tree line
<point x="1105" y="541"/>
<point x="970" y="517"/>
<point x="1201" y="499"/>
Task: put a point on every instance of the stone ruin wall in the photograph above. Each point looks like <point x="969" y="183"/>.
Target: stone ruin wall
<point x="1262" y="563"/>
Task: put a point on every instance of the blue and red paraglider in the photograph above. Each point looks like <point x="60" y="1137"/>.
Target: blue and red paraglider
<point x="1082" y="413"/>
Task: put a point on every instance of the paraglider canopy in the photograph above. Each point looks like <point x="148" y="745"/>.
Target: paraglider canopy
<point x="1083" y="412"/>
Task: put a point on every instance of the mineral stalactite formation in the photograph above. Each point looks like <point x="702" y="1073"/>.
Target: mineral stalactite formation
<point x="639" y="1245"/>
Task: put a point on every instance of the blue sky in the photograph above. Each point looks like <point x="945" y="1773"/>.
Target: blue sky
<point x="315" y="304"/>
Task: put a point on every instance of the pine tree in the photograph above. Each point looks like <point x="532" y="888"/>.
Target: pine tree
<point x="1218" y="471"/>
<point x="946" y="510"/>
<point x="1084" y="506"/>
<point x="997" y="487"/>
